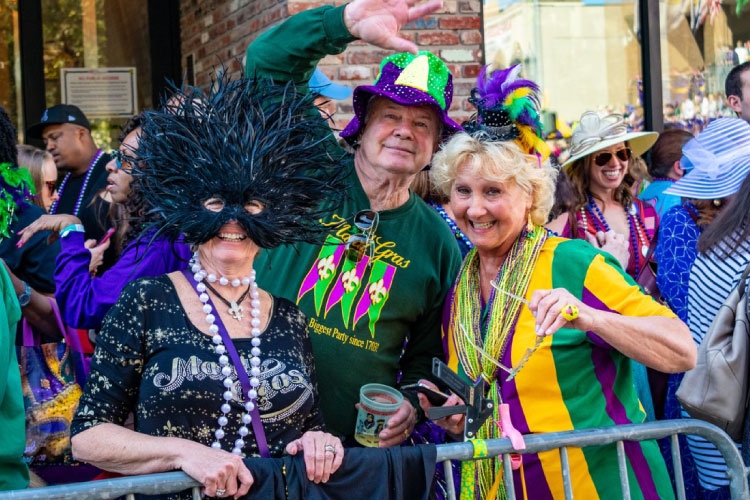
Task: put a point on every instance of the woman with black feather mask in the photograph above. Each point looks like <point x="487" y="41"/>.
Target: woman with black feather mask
<point x="214" y="368"/>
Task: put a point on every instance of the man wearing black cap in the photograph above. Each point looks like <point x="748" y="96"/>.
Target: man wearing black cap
<point x="66" y="133"/>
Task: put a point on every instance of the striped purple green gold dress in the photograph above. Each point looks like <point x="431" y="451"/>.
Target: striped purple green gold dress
<point x="575" y="380"/>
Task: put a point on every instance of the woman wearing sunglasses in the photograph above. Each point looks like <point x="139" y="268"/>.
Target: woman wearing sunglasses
<point x="43" y="172"/>
<point x="608" y="214"/>
<point x="84" y="299"/>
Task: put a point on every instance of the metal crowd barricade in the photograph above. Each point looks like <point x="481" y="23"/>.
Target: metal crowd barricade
<point x="536" y="443"/>
<point x="171" y="482"/>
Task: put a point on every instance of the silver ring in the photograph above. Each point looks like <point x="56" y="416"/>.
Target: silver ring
<point x="330" y="448"/>
<point x="220" y="492"/>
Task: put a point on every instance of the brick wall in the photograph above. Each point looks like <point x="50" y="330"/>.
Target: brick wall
<point x="220" y="30"/>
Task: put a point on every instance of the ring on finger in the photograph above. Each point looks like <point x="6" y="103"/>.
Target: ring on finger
<point x="569" y="312"/>
<point x="220" y="491"/>
<point x="330" y="448"/>
<point x="406" y="433"/>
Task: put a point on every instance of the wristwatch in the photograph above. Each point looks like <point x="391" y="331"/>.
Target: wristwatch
<point x="25" y="297"/>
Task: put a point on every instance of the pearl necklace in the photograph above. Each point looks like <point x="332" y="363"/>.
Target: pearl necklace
<point x="211" y="277"/>
<point x="81" y="194"/>
<point x="221" y="336"/>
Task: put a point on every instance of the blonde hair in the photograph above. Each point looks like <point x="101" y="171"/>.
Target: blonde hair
<point x="32" y="159"/>
<point x="496" y="161"/>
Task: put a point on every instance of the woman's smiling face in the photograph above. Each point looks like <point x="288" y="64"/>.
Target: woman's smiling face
<point x="492" y="214"/>
<point x="610" y="175"/>
<point x="231" y="243"/>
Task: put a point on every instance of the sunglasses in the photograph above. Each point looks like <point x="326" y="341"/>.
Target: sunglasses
<point x="359" y="244"/>
<point x="52" y="185"/>
<point x="120" y="158"/>
<point x="603" y="158"/>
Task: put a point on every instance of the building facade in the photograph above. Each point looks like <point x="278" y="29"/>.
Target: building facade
<point x="655" y="61"/>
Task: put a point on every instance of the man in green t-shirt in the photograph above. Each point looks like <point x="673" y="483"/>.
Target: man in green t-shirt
<point x="373" y="294"/>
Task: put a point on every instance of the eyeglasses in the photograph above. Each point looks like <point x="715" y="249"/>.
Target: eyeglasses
<point x="359" y="244"/>
<point x="603" y="158"/>
<point x="120" y="158"/>
<point x="52" y="185"/>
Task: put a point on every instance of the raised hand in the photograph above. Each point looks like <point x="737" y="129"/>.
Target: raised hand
<point x="379" y="21"/>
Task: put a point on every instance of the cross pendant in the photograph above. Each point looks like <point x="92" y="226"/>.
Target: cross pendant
<point x="236" y="311"/>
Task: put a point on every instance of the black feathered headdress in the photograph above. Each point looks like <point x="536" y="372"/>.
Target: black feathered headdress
<point x="247" y="141"/>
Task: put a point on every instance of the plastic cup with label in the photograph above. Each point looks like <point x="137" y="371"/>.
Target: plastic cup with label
<point x="377" y="404"/>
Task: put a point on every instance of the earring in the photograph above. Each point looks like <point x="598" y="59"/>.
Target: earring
<point x="529" y="227"/>
<point x="717" y="203"/>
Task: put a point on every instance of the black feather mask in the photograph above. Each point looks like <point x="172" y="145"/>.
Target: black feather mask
<point x="248" y="143"/>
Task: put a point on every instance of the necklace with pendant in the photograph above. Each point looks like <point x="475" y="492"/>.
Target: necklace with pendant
<point x="235" y="306"/>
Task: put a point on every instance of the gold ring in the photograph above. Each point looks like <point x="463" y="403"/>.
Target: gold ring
<point x="569" y="312"/>
<point x="406" y="433"/>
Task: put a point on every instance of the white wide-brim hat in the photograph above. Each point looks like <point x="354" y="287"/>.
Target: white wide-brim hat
<point x="720" y="160"/>
<point x="595" y="133"/>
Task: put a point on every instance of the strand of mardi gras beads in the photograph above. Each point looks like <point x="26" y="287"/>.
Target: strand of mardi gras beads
<point x="503" y="311"/>
<point x="514" y="276"/>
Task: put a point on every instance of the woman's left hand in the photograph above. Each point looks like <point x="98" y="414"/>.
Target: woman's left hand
<point x="553" y="309"/>
<point x="97" y="254"/>
<point x="323" y="454"/>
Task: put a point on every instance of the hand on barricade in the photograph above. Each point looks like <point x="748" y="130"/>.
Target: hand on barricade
<point x="221" y="473"/>
<point x="323" y="454"/>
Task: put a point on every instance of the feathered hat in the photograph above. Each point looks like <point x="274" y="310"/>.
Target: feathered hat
<point x="248" y="141"/>
<point x="16" y="189"/>
<point x="508" y="109"/>
<point x="16" y="185"/>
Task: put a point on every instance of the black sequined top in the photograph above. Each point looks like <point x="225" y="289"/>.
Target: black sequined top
<point x="152" y="360"/>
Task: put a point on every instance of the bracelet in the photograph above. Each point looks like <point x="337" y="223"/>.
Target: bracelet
<point x="77" y="228"/>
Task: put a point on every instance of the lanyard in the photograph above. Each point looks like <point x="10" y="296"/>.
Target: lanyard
<point x="260" y="435"/>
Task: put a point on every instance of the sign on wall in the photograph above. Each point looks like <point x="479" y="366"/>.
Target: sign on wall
<point x="100" y="92"/>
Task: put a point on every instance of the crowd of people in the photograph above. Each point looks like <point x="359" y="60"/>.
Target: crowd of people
<point x="240" y="274"/>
